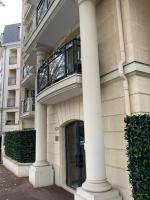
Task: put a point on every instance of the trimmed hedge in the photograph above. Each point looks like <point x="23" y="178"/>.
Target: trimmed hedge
<point x="20" y="145"/>
<point x="137" y="134"/>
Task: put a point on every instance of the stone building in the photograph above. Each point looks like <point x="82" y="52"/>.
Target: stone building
<point x="10" y="54"/>
<point x="89" y="66"/>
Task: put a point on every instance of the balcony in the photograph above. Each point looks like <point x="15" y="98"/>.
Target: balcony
<point x="59" y="78"/>
<point x="42" y="9"/>
<point x="28" y="108"/>
<point x="12" y="60"/>
<point x="11" y="81"/>
<point x="28" y="77"/>
<point x="53" y="19"/>
<point x="11" y="102"/>
<point x="26" y="71"/>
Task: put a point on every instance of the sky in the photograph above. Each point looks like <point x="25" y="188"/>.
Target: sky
<point x="11" y="13"/>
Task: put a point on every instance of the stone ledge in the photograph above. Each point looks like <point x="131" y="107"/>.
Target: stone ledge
<point x="19" y="169"/>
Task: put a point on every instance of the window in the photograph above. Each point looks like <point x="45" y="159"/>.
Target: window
<point x="12" y="56"/>
<point x="10" y="118"/>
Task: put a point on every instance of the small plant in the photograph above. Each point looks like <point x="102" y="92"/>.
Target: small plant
<point x="137" y="134"/>
<point x="20" y="145"/>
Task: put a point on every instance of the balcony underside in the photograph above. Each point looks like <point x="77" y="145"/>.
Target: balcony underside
<point x="63" y="90"/>
<point x="27" y="115"/>
<point x="29" y="81"/>
<point x="59" y="21"/>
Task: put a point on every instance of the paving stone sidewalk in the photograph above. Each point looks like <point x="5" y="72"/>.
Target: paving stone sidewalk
<point x="13" y="188"/>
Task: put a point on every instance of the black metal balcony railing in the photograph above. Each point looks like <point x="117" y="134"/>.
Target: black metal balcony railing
<point x="26" y="71"/>
<point x="59" y="65"/>
<point x="11" y="81"/>
<point x="42" y="9"/>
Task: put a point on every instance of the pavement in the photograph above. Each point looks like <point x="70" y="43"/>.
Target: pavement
<point x="14" y="188"/>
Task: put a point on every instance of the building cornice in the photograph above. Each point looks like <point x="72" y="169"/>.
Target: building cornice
<point x="11" y="44"/>
<point x="132" y="68"/>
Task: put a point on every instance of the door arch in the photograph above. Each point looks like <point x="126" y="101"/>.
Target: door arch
<point x="75" y="154"/>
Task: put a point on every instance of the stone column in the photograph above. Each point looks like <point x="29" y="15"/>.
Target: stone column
<point x="96" y="185"/>
<point x="41" y="134"/>
<point x="41" y="173"/>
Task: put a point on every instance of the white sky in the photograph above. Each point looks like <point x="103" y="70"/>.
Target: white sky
<point x="11" y="13"/>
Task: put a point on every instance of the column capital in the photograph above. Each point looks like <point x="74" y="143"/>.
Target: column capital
<point x="42" y="53"/>
<point x="42" y="49"/>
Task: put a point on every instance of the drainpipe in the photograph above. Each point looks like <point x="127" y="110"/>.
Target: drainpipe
<point x="2" y="103"/>
<point x="2" y="94"/>
<point x="123" y="59"/>
<point x="3" y="81"/>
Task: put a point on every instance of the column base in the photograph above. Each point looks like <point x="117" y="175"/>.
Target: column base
<point x="96" y="186"/>
<point x="41" y="176"/>
<point x="81" y="194"/>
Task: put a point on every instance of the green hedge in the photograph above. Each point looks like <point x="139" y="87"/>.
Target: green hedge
<point x="137" y="134"/>
<point x="20" y="145"/>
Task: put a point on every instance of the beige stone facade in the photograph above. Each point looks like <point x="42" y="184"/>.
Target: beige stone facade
<point x="66" y="105"/>
<point x="10" y="58"/>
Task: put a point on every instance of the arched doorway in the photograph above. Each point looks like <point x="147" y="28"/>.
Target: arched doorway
<point x="75" y="154"/>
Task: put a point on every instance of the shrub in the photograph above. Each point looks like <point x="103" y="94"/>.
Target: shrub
<point x="137" y="134"/>
<point x="20" y="145"/>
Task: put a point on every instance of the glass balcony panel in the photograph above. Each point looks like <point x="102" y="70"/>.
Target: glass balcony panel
<point x="43" y="78"/>
<point x="41" y="10"/>
<point x="57" y="68"/>
<point x="25" y="105"/>
<point x="26" y="71"/>
<point x="49" y="2"/>
<point x="77" y="56"/>
<point x="69" y="60"/>
<point x="28" y="105"/>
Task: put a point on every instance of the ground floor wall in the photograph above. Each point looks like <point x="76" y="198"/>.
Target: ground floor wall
<point x="140" y="93"/>
<point x="113" y="114"/>
<point x="113" y="109"/>
<point x="59" y="115"/>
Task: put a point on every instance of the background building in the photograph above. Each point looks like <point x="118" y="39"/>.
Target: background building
<point x="10" y="54"/>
